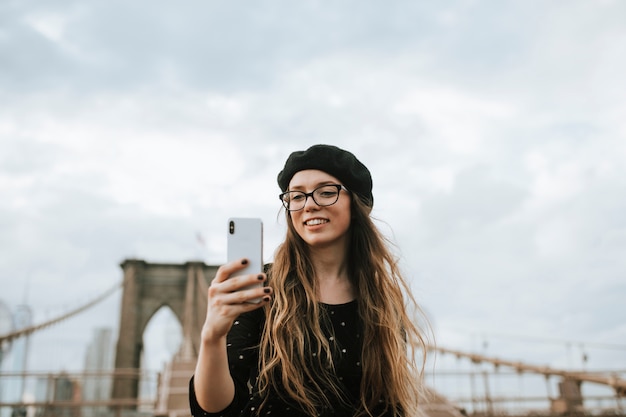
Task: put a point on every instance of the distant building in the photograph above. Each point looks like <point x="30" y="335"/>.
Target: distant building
<point x="6" y="326"/>
<point x="98" y="363"/>
<point x="55" y="389"/>
<point x="13" y="387"/>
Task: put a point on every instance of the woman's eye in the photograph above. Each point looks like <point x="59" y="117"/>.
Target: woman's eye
<point x="296" y="197"/>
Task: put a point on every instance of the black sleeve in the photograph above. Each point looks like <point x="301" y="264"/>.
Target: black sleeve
<point x="243" y="357"/>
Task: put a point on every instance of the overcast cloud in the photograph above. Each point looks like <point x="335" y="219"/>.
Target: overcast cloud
<point x="495" y="132"/>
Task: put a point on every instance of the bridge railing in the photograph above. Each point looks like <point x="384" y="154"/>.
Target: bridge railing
<point x="77" y="394"/>
<point x="481" y="391"/>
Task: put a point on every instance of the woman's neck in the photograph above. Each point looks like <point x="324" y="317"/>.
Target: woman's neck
<point x="331" y="272"/>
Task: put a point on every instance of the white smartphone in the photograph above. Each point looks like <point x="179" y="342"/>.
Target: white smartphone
<point x="245" y="240"/>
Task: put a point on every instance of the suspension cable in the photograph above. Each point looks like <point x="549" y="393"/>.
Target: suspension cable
<point x="613" y="381"/>
<point x="31" y="329"/>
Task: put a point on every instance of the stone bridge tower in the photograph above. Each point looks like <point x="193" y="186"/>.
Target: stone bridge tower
<point x="147" y="288"/>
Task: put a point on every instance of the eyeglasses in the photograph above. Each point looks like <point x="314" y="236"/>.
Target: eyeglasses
<point x="326" y="195"/>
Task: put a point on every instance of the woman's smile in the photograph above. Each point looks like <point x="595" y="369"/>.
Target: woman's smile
<point x="316" y="221"/>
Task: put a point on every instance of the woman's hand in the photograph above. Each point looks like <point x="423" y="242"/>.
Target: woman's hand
<point x="228" y="297"/>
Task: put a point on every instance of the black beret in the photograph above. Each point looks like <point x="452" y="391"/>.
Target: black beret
<point x="337" y="162"/>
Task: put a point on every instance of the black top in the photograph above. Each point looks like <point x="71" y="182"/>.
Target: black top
<point x="243" y="357"/>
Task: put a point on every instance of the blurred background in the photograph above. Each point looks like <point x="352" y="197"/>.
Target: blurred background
<point x="495" y="132"/>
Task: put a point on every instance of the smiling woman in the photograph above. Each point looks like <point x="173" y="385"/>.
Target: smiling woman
<point x="327" y="225"/>
<point x="333" y="335"/>
<point x="494" y="132"/>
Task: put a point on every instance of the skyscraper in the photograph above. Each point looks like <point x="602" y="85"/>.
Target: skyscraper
<point x="99" y="358"/>
<point x="14" y="387"/>
<point x="6" y="326"/>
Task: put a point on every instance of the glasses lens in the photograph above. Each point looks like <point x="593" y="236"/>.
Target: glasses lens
<point x="326" y="195"/>
<point x="294" y="200"/>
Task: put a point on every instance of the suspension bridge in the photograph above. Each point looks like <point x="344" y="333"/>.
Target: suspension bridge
<point x="484" y="387"/>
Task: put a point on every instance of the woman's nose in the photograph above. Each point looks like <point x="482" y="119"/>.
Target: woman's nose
<point x="310" y="203"/>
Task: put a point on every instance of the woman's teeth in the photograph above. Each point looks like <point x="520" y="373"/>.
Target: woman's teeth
<point x="315" y="222"/>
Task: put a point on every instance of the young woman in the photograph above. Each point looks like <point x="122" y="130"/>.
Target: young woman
<point x="333" y="335"/>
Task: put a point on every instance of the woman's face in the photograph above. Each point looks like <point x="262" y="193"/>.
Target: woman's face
<point x="320" y="226"/>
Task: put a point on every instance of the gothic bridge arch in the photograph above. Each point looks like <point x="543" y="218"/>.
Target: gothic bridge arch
<point x="148" y="287"/>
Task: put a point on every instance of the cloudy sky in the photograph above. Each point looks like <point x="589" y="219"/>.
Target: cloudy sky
<point x="495" y="132"/>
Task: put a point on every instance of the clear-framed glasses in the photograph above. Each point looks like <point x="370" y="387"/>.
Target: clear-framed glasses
<point x="326" y="195"/>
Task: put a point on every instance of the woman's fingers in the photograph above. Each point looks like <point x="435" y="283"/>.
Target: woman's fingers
<point x="240" y="282"/>
<point x="229" y="299"/>
<point x="226" y="270"/>
<point x="229" y="296"/>
<point x="226" y="289"/>
<point x="251" y="295"/>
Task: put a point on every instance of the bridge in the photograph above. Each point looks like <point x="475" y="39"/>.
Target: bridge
<point x="483" y="386"/>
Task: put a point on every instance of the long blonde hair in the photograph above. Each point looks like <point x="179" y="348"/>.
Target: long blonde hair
<point x="392" y="345"/>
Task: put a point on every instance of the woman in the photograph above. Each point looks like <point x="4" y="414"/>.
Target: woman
<point x="332" y="336"/>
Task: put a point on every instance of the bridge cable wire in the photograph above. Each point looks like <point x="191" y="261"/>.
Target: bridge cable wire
<point x="7" y="338"/>
<point x="544" y="340"/>
<point x="613" y="381"/>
